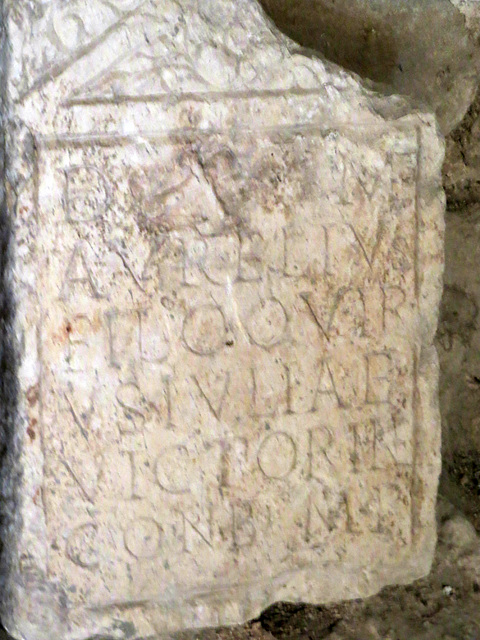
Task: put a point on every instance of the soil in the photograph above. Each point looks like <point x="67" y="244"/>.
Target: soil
<point x="462" y="161"/>
<point x="461" y="483"/>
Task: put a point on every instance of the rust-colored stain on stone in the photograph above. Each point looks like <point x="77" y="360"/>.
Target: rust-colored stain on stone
<point x="31" y="429"/>
<point x="32" y="394"/>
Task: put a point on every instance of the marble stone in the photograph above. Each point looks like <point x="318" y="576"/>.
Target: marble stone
<point x="224" y="280"/>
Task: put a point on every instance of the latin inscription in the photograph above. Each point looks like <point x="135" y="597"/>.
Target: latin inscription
<point x="232" y="359"/>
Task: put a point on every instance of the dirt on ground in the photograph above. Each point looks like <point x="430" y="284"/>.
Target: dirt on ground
<point x="461" y="484"/>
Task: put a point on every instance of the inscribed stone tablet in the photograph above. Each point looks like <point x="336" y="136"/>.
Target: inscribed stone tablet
<point x="226" y="267"/>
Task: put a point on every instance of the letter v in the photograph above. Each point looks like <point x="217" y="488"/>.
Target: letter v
<point x="214" y="395"/>
<point x="362" y="244"/>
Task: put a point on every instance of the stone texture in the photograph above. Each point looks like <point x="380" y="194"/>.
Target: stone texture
<point x="459" y="336"/>
<point x="426" y="49"/>
<point x="459" y="331"/>
<point x="458" y="532"/>
<point x="226" y="265"/>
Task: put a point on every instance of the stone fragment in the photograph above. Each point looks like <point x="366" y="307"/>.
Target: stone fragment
<point x="226" y="267"/>
<point x="459" y="533"/>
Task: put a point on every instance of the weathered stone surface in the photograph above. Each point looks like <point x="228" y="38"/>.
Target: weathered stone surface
<point x="227" y="267"/>
<point x="426" y="49"/>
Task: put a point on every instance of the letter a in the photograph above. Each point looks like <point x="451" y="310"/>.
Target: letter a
<point x="326" y="386"/>
<point x="78" y="272"/>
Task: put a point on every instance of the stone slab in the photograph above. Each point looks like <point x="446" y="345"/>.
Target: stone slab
<point x="226" y="262"/>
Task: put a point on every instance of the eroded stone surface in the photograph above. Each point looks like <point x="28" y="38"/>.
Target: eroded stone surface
<point x="426" y="49"/>
<point x="227" y="270"/>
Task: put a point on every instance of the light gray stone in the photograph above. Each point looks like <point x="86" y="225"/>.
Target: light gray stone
<point x="227" y="261"/>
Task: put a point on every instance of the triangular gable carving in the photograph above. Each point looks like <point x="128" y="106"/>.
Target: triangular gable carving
<point x="62" y="34"/>
<point x="165" y="48"/>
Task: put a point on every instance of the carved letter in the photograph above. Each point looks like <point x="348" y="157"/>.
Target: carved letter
<point x="202" y="532"/>
<point x="214" y="390"/>
<point x="371" y="254"/>
<point x="267" y="323"/>
<point x="352" y="323"/>
<point x="324" y="518"/>
<point x="378" y="378"/>
<point x="270" y="389"/>
<point x="243" y="529"/>
<point x="79" y="273"/>
<point x="86" y="194"/>
<point x="326" y="386"/>
<point x="320" y="440"/>
<point x="82" y="546"/>
<point x="173" y="468"/>
<point x="130" y="398"/>
<point x="143" y="538"/>
<point x="393" y="299"/>
<point x="205" y="330"/>
<point x="277" y="456"/>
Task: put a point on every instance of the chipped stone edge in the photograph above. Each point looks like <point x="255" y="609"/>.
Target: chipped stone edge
<point x="416" y="563"/>
<point x="337" y="581"/>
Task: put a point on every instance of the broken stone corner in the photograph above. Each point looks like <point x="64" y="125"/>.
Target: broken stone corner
<point x="226" y="265"/>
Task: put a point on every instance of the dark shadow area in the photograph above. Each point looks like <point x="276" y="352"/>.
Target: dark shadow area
<point x="287" y="621"/>
<point x="348" y="33"/>
<point x="461" y="484"/>
<point x="458" y="335"/>
<point x="420" y="48"/>
<point x="9" y="448"/>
